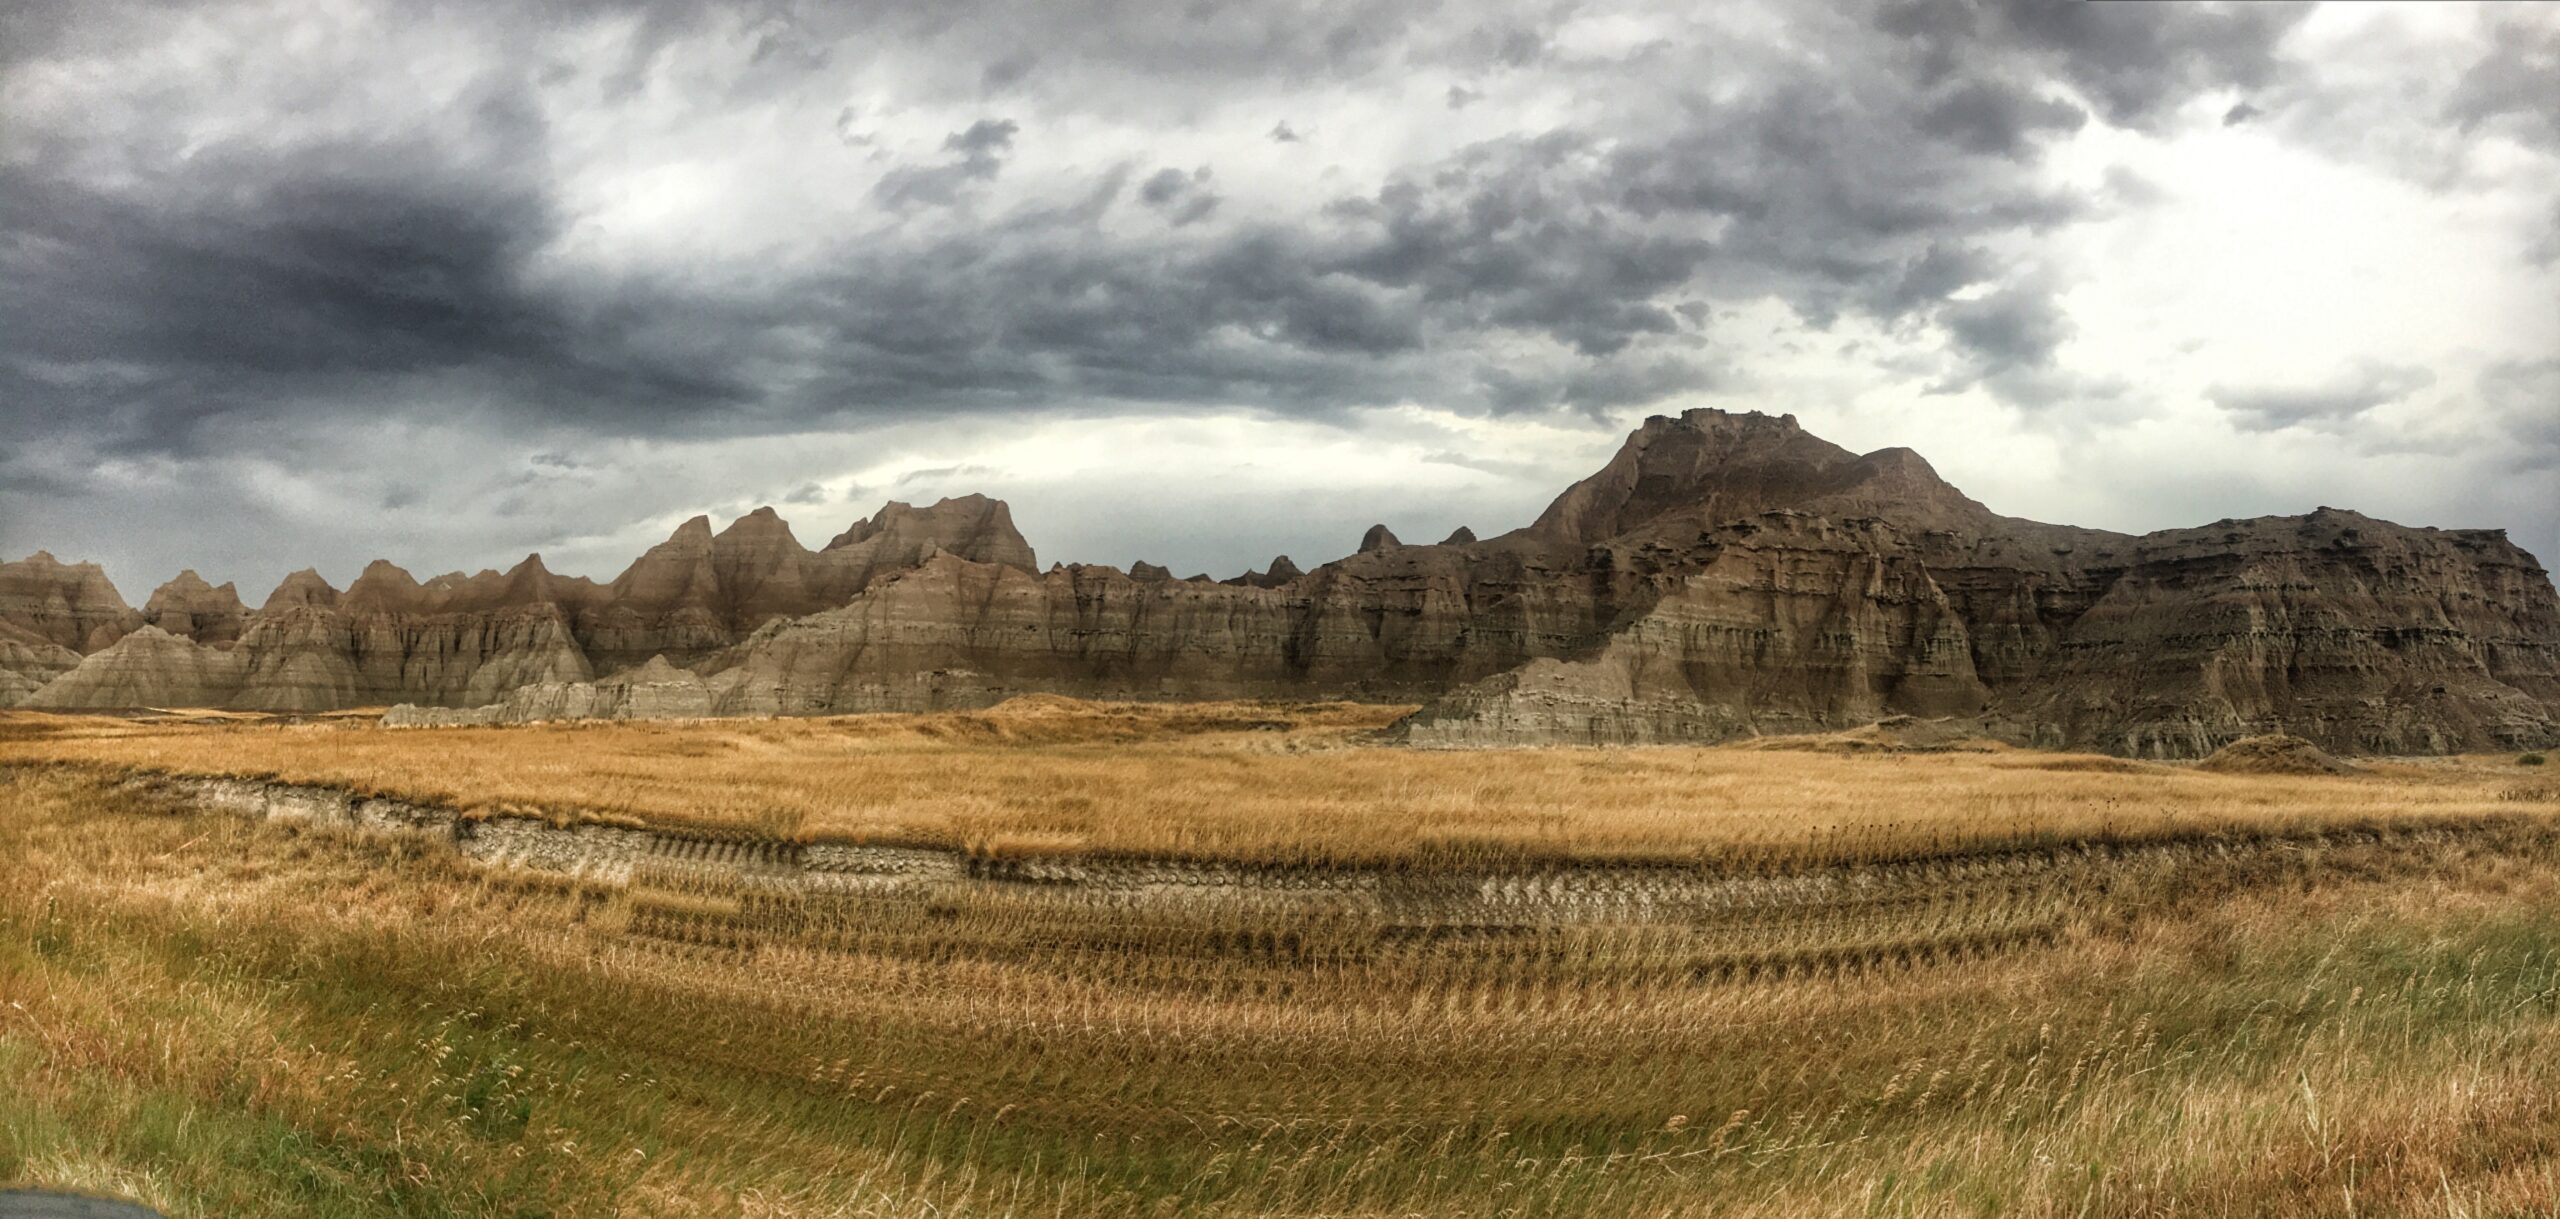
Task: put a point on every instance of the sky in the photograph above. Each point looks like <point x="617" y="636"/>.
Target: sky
<point x="312" y="282"/>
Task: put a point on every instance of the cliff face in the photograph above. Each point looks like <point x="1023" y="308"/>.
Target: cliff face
<point x="189" y="607"/>
<point x="2361" y="635"/>
<point x="28" y="663"/>
<point x="1723" y="575"/>
<point x="457" y="640"/>
<point x="68" y="605"/>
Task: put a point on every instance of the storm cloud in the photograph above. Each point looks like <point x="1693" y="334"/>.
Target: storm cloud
<point x="244" y="237"/>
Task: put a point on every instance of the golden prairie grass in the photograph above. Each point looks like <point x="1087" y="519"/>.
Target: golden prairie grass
<point x="225" y="1019"/>
<point x="1276" y="784"/>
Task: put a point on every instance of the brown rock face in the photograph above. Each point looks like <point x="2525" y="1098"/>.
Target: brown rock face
<point x="1795" y="624"/>
<point x="70" y="605"/>
<point x="654" y="691"/>
<point x="193" y="609"/>
<point x="1723" y="575"/>
<point x="459" y="640"/>
<point x="973" y="527"/>
<point x="148" y="668"/>
<point x="699" y="592"/>
<point x="303" y="589"/>
<point x="2360" y="635"/>
<point x="28" y="662"/>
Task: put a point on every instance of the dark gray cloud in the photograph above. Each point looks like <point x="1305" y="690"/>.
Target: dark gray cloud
<point x="2017" y="326"/>
<point x="415" y="255"/>
<point x="1184" y="198"/>
<point x="2136" y="61"/>
<point x="492" y="216"/>
<point x="2516" y="85"/>
<point x="2267" y="408"/>
<point x="976" y="155"/>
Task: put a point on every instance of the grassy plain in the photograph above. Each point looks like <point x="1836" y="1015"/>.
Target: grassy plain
<point x="1261" y="783"/>
<point x="223" y="1017"/>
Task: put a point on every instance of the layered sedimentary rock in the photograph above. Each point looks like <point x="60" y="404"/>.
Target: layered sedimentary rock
<point x="1794" y="624"/>
<point x="69" y="605"/>
<point x="2360" y="635"/>
<point x="148" y="668"/>
<point x="457" y="640"/>
<point x="29" y="663"/>
<point x="699" y="592"/>
<point x="654" y="691"/>
<point x="1723" y="575"/>
<point x="189" y="607"/>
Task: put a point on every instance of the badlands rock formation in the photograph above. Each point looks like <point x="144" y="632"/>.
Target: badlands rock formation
<point x="189" y="607"/>
<point x="1724" y="575"/>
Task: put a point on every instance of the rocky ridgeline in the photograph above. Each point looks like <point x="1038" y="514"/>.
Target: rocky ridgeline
<point x="1724" y="575"/>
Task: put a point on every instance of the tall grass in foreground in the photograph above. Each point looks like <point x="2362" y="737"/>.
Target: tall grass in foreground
<point x="226" y="1019"/>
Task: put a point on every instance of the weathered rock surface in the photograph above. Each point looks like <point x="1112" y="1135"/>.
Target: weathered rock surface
<point x="465" y="641"/>
<point x="1793" y="624"/>
<point x="654" y="691"/>
<point x="28" y="662"/>
<point x="1724" y="575"/>
<point x="148" y="668"/>
<point x="189" y="607"/>
<point x="699" y="592"/>
<point x="70" y="605"/>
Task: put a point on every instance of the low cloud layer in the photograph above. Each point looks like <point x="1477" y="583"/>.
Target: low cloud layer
<point x="284" y="282"/>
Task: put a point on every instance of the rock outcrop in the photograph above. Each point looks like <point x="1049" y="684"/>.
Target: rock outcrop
<point x="1724" y="575"/>
<point x="189" y="607"/>
<point x="28" y="663"/>
<point x="69" y="605"/>
<point x="148" y="668"/>
<point x="654" y="691"/>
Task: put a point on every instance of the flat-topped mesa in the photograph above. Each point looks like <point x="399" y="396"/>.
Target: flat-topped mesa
<point x="1147" y="572"/>
<point x="187" y="606"/>
<point x="71" y="605"/>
